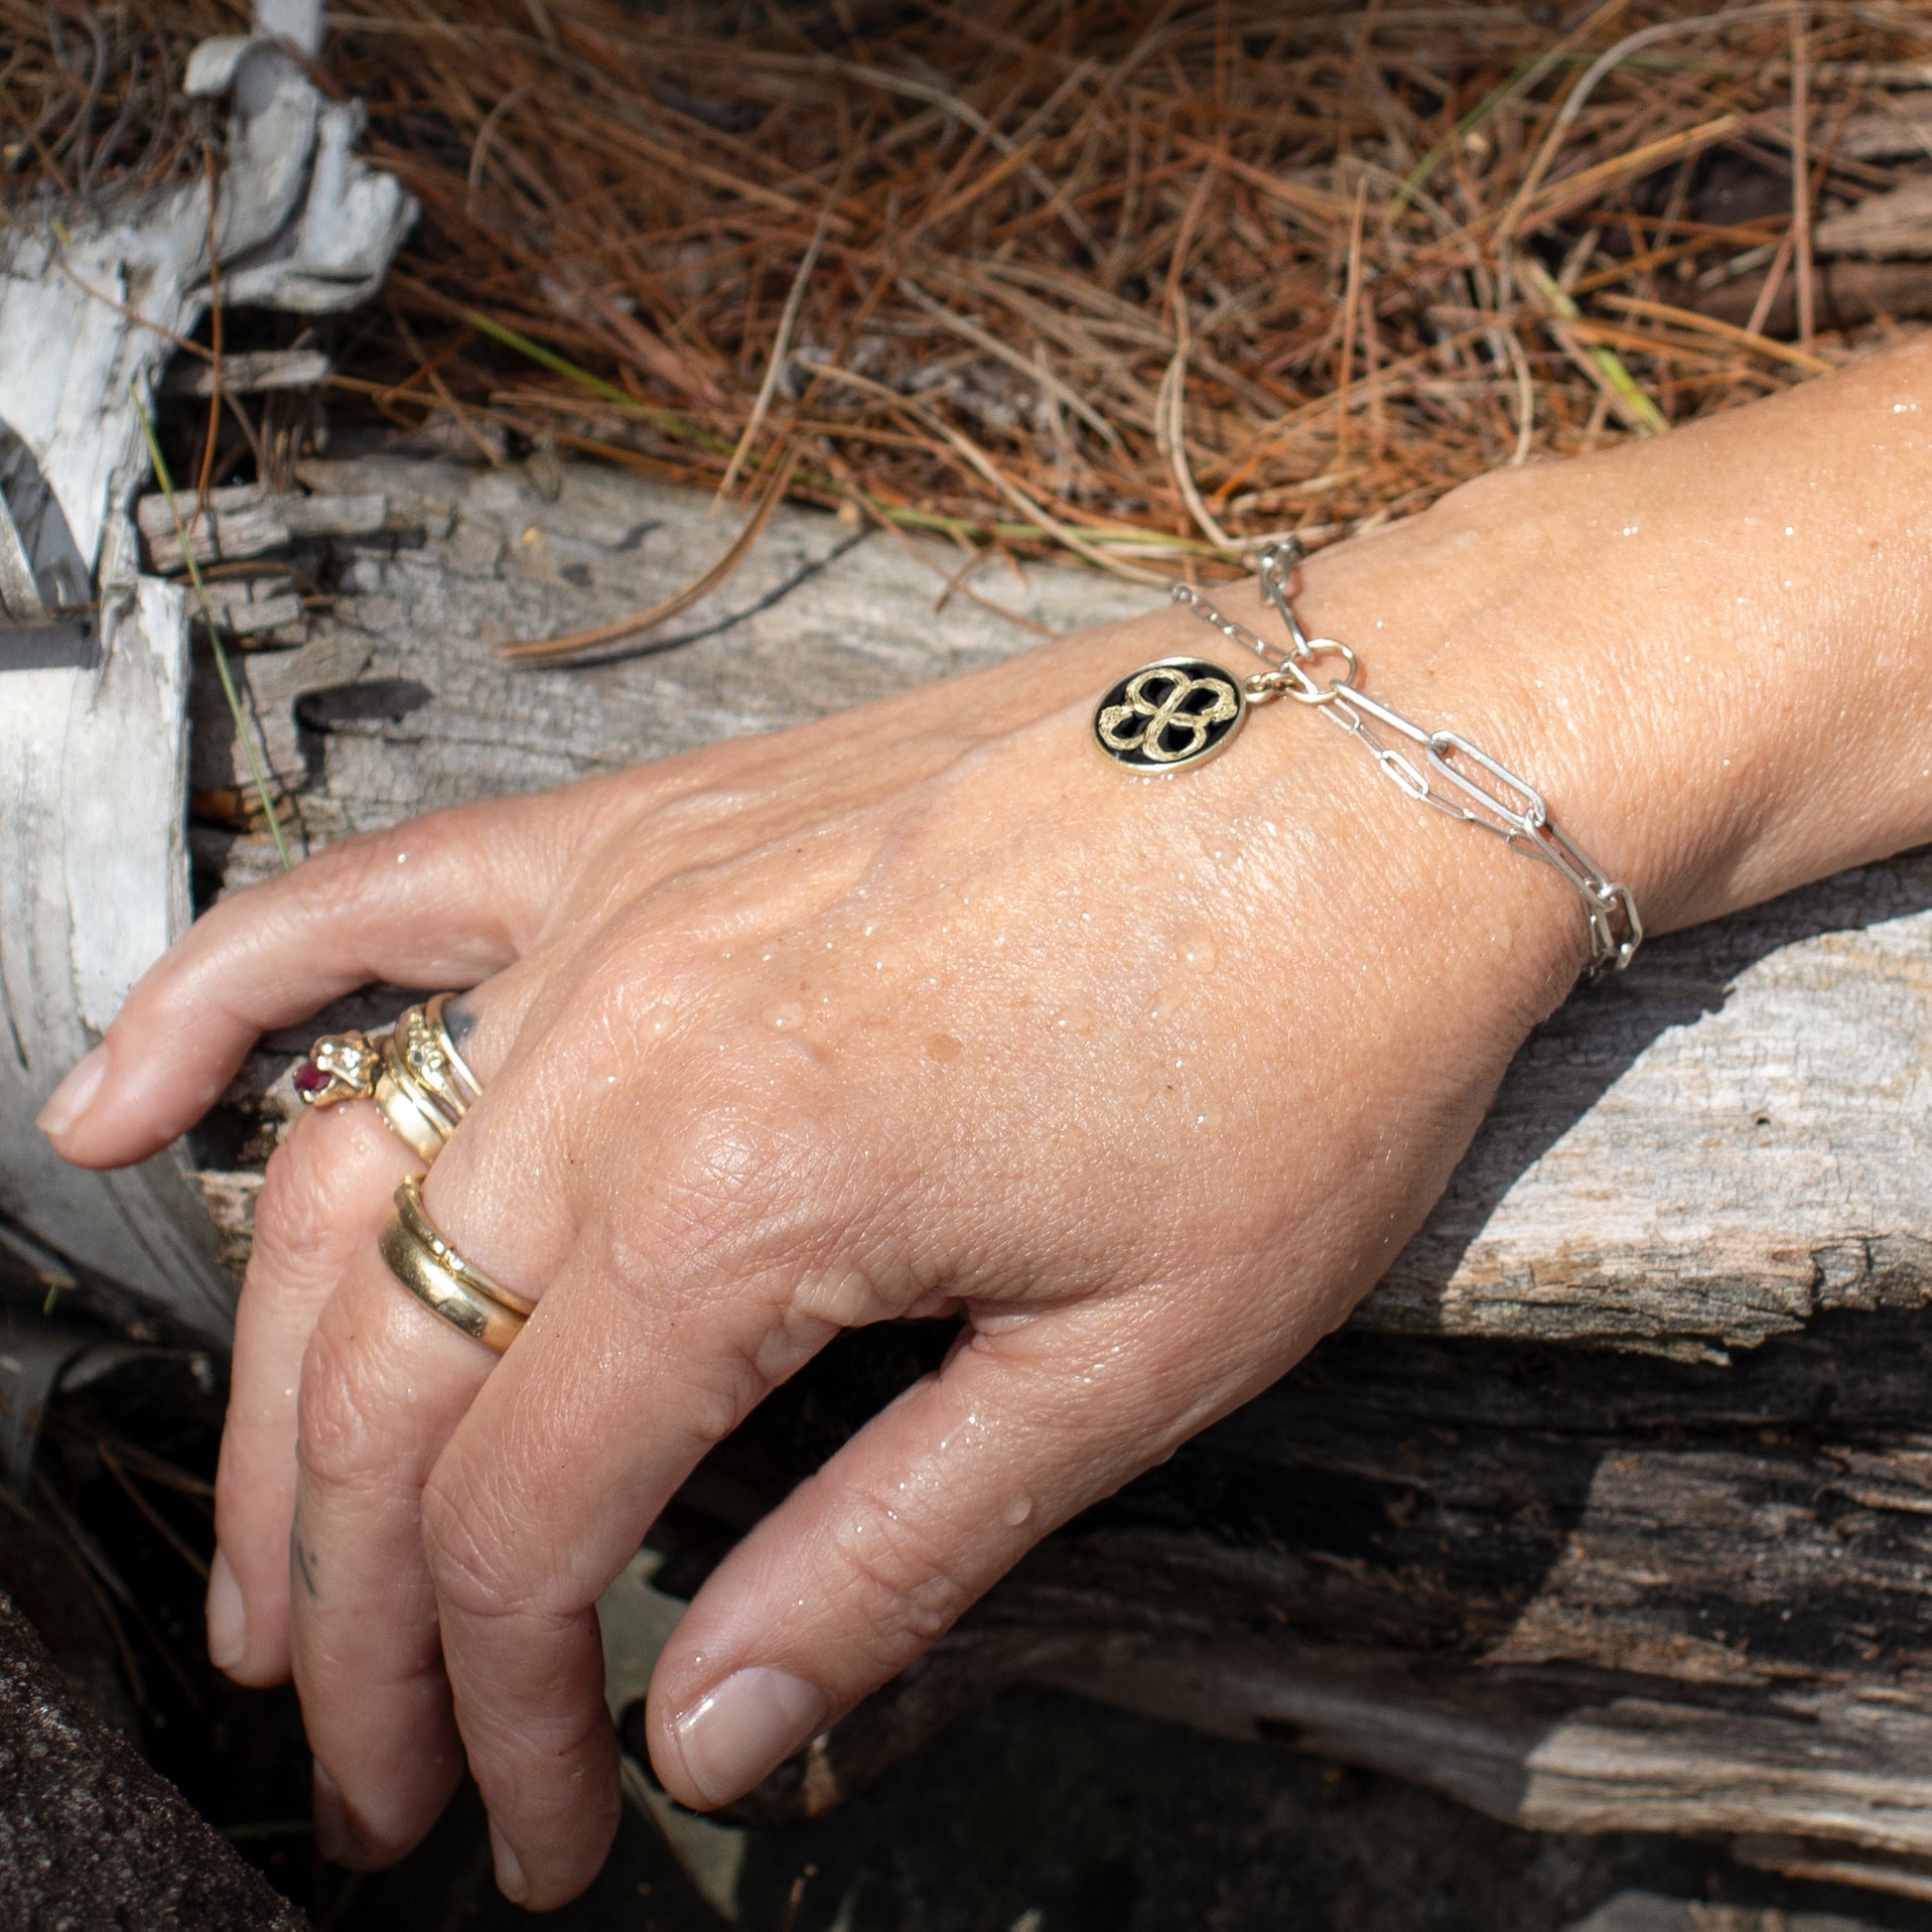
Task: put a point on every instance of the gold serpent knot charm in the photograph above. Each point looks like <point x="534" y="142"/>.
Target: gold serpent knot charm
<point x="1172" y="713"/>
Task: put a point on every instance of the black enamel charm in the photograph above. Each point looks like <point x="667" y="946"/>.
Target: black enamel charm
<point x="1170" y="714"/>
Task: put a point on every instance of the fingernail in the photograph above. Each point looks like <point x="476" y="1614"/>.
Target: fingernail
<point x="332" y="1837"/>
<point x="751" y="1723"/>
<point x="227" y="1621"/>
<point x="510" y="1880"/>
<point x="75" y="1095"/>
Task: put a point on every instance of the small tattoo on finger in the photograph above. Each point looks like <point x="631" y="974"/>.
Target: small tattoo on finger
<point x="301" y="1564"/>
<point x="458" y="1020"/>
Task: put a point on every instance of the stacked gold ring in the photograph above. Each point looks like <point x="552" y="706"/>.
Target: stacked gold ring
<point x="424" y="1262"/>
<point x="415" y="1074"/>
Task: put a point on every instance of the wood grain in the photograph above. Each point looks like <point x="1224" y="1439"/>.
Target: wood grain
<point x="1611" y="1509"/>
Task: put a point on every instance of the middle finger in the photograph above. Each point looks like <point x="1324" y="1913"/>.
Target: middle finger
<point x="385" y="1383"/>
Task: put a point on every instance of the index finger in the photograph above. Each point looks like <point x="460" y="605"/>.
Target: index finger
<point x="442" y="901"/>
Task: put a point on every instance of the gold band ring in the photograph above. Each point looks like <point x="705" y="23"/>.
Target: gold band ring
<point x="439" y="1027"/>
<point x="415" y="1217"/>
<point x="447" y="1285"/>
<point x="414" y="1073"/>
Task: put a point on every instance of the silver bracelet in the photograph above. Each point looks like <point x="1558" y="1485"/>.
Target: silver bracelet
<point x="1181" y="711"/>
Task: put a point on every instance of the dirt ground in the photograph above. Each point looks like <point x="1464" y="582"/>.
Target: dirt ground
<point x="1041" y="1813"/>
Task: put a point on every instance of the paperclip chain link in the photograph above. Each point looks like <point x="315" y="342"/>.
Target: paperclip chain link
<point x="1515" y="812"/>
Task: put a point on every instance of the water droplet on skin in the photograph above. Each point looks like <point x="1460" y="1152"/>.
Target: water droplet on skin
<point x="1017" y="1511"/>
<point x="1166" y="1003"/>
<point x="1209" y="1118"/>
<point x="942" y="1048"/>
<point x="1502" y="938"/>
<point x="786" y="1018"/>
<point x="1197" y="950"/>
<point x="1073" y="1020"/>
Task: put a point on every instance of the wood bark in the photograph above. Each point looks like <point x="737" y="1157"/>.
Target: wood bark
<point x="94" y="880"/>
<point x="1613" y="1506"/>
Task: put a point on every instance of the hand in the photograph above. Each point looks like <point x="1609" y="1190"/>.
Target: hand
<point x="926" y="1010"/>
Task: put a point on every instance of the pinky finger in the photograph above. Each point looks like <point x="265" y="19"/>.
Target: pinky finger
<point x="865" y="1564"/>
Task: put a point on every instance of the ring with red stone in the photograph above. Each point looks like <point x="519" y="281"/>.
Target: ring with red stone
<point x="339" y="1066"/>
<point x="414" y="1072"/>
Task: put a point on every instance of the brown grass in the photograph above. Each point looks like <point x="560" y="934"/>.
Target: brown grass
<point x="1137" y="285"/>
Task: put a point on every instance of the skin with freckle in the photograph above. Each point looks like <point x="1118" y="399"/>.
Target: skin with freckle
<point x="931" y="1009"/>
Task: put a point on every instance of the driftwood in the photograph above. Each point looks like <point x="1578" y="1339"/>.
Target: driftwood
<point x="1611" y="1508"/>
<point x="93" y="745"/>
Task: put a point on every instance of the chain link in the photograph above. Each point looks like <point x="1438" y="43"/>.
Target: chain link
<point x="1509" y="807"/>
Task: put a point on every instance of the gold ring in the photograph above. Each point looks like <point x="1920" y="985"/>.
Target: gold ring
<point x="414" y="1073"/>
<point x="415" y="1217"/>
<point x="439" y="1278"/>
<point x="434" y="1011"/>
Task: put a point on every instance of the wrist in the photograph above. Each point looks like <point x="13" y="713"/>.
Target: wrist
<point x="1712" y="654"/>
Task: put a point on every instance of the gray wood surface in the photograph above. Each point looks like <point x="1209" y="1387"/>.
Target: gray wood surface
<point x="1612" y="1507"/>
<point x="93" y="876"/>
<point x="1706" y="1151"/>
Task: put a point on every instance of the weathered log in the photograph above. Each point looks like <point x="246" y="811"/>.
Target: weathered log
<point x="92" y="740"/>
<point x="1690" y="1159"/>
<point x="89" y="1835"/>
<point x="1611" y="1509"/>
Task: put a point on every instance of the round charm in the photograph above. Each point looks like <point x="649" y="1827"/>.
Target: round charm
<point x="1172" y="713"/>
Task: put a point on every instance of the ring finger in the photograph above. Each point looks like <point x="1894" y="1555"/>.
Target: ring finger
<point x="325" y="1194"/>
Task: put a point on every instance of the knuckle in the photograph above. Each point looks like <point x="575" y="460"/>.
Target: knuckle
<point x="743" y="1176"/>
<point x="888" y="1568"/>
<point x="344" y="876"/>
<point x="309" y="1178"/>
<point x="714" y="1403"/>
<point x="465" y="1548"/>
<point x="292" y="1207"/>
<point x="337" y="1442"/>
<point x="564" y="1741"/>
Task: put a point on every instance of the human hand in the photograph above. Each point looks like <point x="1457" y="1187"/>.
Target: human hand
<point x="925" y="1009"/>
